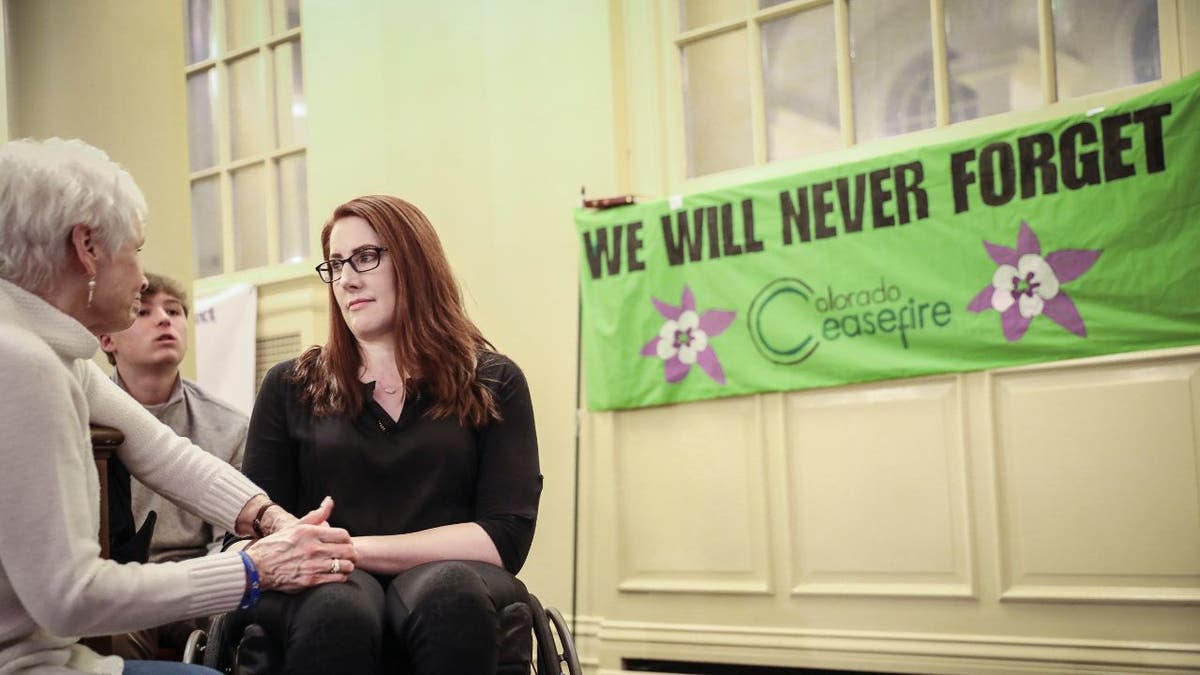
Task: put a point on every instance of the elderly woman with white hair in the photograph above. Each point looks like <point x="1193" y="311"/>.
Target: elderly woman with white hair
<point x="70" y="230"/>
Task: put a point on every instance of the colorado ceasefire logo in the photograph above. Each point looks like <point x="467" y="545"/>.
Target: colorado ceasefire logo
<point x="1027" y="285"/>
<point x="771" y="323"/>
<point x="683" y="339"/>
<point x="788" y="320"/>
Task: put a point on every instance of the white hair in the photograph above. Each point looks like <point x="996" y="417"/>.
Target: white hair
<point x="46" y="188"/>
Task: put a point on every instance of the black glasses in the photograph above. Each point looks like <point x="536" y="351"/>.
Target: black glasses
<point x="363" y="260"/>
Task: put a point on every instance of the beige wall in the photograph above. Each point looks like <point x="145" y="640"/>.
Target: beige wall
<point x="111" y="73"/>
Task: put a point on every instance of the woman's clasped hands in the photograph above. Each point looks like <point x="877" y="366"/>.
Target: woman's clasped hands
<point x="303" y="552"/>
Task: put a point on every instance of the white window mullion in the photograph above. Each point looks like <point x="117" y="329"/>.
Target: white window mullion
<point x="841" y="30"/>
<point x="1173" y="17"/>
<point x="224" y="133"/>
<point x="758" y="115"/>
<point x="1046" y="52"/>
<point x="228" y="250"/>
<point x="271" y="180"/>
<point x="941" y="62"/>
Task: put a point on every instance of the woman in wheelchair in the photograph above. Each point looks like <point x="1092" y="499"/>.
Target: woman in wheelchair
<point x="423" y="435"/>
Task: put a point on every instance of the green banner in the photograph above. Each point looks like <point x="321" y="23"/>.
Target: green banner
<point x="1069" y="238"/>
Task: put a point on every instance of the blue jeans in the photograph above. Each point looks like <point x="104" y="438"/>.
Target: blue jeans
<point x="165" y="668"/>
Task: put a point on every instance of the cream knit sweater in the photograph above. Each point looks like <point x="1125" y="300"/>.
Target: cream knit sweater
<point x="53" y="583"/>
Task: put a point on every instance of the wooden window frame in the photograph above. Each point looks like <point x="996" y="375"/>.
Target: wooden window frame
<point x="753" y="19"/>
<point x="225" y="166"/>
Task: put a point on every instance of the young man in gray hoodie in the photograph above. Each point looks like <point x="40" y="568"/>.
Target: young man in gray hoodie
<point x="147" y="357"/>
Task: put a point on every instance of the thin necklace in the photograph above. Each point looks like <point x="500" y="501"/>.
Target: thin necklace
<point x="386" y="389"/>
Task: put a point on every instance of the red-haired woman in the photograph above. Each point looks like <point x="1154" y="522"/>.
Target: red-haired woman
<point x="424" y="437"/>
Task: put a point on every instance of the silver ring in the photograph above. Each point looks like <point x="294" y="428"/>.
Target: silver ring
<point x="335" y="567"/>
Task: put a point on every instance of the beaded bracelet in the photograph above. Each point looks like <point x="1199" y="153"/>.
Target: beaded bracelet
<point x="250" y="597"/>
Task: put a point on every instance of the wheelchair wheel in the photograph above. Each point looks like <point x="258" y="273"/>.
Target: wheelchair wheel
<point x="193" y="650"/>
<point x="554" y="646"/>
<point x="570" y="655"/>
<point x="221" y="634"/>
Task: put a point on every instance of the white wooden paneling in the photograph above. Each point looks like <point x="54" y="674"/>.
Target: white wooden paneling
<point x="691" y="504"/>
<point x="1098" y="471"/>
<point x="878" y="490"/>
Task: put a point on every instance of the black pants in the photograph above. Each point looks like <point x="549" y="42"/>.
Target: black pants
<point x="439" y="618"/>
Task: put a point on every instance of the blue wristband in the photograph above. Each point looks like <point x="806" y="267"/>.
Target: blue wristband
<point x="250" y="598"/>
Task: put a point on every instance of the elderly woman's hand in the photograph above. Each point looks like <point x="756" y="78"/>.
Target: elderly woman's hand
<point x="273" y="517"/>
<point x="303" y="554"/>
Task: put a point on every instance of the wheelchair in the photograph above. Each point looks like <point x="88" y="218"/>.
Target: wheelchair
<point x="551" y="651"/>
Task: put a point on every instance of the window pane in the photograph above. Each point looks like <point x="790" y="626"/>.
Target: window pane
<point x="763" y="4"/>
<point x="285" y="15"/>
<point x="891" y="67"/>
<point x="801" y="110"/>
<point x="291" y="112"/>
<point x="206" y="226"/>
<point x="249" y="217"/>
<point x="202" y="144"/>
<point x="716" y="102"/>
<point x="696" y="13"/>
<point x="293" y="209"/>
<point x="246" y="21"/>
<point x="993" y="52"/>
<point x="197" y="26"/>
<point x="247" y="107"/>
<point x="1105" y="44"/>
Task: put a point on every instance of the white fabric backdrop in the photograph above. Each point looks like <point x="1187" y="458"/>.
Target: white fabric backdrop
<point x="225" y="344"/>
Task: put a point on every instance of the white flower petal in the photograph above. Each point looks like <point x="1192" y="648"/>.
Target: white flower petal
<point x="1043" y="275"/>
<point x="666" y="347"/>
<point x="1002" y="299"/>
<point x="699" y="340"/>
<point x="689" y="319"/>
<point x="1002" y="279"/>
<point x="687" y="355"/>
<point x="1031" y="305"/>
<point x="667" y="332"/>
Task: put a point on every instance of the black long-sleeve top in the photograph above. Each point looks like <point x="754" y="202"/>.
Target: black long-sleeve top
<point x="398" y="476"/>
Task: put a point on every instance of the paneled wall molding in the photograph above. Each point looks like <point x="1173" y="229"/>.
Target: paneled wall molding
<point x="879" y="509"/>
<point x="682" y="585"/>
<point x="887" y="590"/>
<point x="902" y="651"/>
<point x="1114" y="449"/>
<point x="1106" y="359"/>
<point x="711" y="536"/>
<point x="1103" y="594"/>
<point x="585" y="630"/>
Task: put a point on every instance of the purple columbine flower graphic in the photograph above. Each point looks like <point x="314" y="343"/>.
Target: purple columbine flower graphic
<point x="683" y="340"/>
<point x="1026" y="285"/>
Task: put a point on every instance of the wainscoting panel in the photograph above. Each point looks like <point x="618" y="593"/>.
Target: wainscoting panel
<point x="710" y="535"/>
<point x="1098" y="472"/>
<point x="926" y="653"/>
<point x="877" y="487"/>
